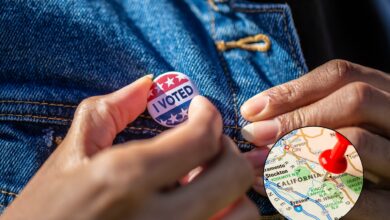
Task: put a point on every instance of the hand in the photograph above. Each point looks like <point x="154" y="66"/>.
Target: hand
<point x="88" y="178"/>
<point x="340" y="95"/>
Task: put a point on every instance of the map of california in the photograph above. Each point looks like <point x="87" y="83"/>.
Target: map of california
<point x="294" y="179"/>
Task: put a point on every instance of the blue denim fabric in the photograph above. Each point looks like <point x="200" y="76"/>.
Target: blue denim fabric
<point x="55" y="53"/>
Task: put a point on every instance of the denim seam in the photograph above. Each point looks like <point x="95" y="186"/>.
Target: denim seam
<point x="159" y="131"/>
<point x="38" y="103"/>
<point x="128" y="128"/>
<point x="221" y="1"/>
<point x="241" y="142"/>
<point x="262" y="10"/>
<point x="236" y="127"/>
<point x="231" y="126"/>
<point x="283" y="12"/>
<point x="212" y="24"/>
<point x="213" y="5"/>
<point x="227" y="75"/>
<point x="52" y="104"/>
<point x="36" y="116"/>
<point x="144" y="129"/>
<point x="145" y="116"/>
<point x="68" y="119"/>
<point x="226" y="72"/>
<point x="8" y="193"/>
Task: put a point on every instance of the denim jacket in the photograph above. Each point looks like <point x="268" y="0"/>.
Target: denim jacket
<point x="55" y="53"/>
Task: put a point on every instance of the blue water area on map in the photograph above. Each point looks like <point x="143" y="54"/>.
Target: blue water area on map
<point x="273" y="186"/>
<point x="298" y="208"/>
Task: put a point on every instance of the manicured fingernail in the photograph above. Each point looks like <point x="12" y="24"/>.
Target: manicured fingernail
<point x="151" y="76"/>
<point x="257" y="157"/>
<point x="254" y="106"/>
<point x="191" y="175"/>
<point x="262" y="132"/>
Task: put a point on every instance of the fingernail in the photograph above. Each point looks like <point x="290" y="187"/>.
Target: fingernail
<point x="254" y="106"/>
<point x="151" y="76"/>
<point x="191" y="175"/>
<point x="196" y="102"/>
<point x="262" y="132"/>
<point x="257" y="157"/>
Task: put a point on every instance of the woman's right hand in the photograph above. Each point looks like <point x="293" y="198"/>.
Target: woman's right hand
<point x="87" y="178"/>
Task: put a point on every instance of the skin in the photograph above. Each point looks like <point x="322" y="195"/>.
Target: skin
<point x="88" y="178"/>
<point x="341" y="95"/>
<point x="134" y="180"/>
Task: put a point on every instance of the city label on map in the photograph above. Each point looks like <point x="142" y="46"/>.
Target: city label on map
<point x="294" y="179"/>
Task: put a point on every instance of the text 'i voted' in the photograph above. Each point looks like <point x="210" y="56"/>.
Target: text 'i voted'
<point x="170" y="97"/>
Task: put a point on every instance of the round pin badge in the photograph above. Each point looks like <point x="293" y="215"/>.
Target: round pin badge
<point x="170" y="97"/>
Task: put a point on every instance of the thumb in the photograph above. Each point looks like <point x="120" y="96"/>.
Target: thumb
<point x="99" y="119"/>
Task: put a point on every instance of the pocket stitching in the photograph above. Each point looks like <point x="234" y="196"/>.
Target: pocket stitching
<point x="8" y="193"/>
<point x="68" y="120"/>
<point x="253" y="9"/>
<point x="51" y="104"/>
<point x="36" y="116"/>
<point x="225" y="71"/>
<point x="38" y="103"/>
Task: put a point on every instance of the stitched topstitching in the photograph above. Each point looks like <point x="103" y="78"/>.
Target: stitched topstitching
<point x="38" y="103"/>
<point x="226" y="72"/>
<point x="285" y="28"/>
<point x="8" y="193"/>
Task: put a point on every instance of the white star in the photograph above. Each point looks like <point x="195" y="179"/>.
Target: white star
<point x="184" y="113"/>
<point x="151" y="93"/>
<point x="164" y="122"/>
<point x="169" y="82"/>
<point x="158" y="88"/>
<point x="160" y="85"/>
<point x="173" y="118"/>
<point x="180" y="77"/>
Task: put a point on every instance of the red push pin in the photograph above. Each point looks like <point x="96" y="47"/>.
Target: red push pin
<point x="333" y="160"/>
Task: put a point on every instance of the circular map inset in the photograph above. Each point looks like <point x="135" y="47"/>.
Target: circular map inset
<point x="295" y="181"/>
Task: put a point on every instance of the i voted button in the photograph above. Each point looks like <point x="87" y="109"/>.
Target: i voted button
<point x="170" y="97"/>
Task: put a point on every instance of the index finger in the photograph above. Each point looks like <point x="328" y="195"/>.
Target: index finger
<point x="311" y="87"/>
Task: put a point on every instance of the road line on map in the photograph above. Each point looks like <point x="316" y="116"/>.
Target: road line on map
<point x="307" y="145"/>
<point x="353" y="166"/>
<point x="345" y="192"/>
<point x="321" y="133"/>
<point x="303" y="196"/>
<point x="290" y="152"/>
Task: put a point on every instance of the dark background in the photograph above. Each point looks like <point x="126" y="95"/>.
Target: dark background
<point x="343" y="29"/>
